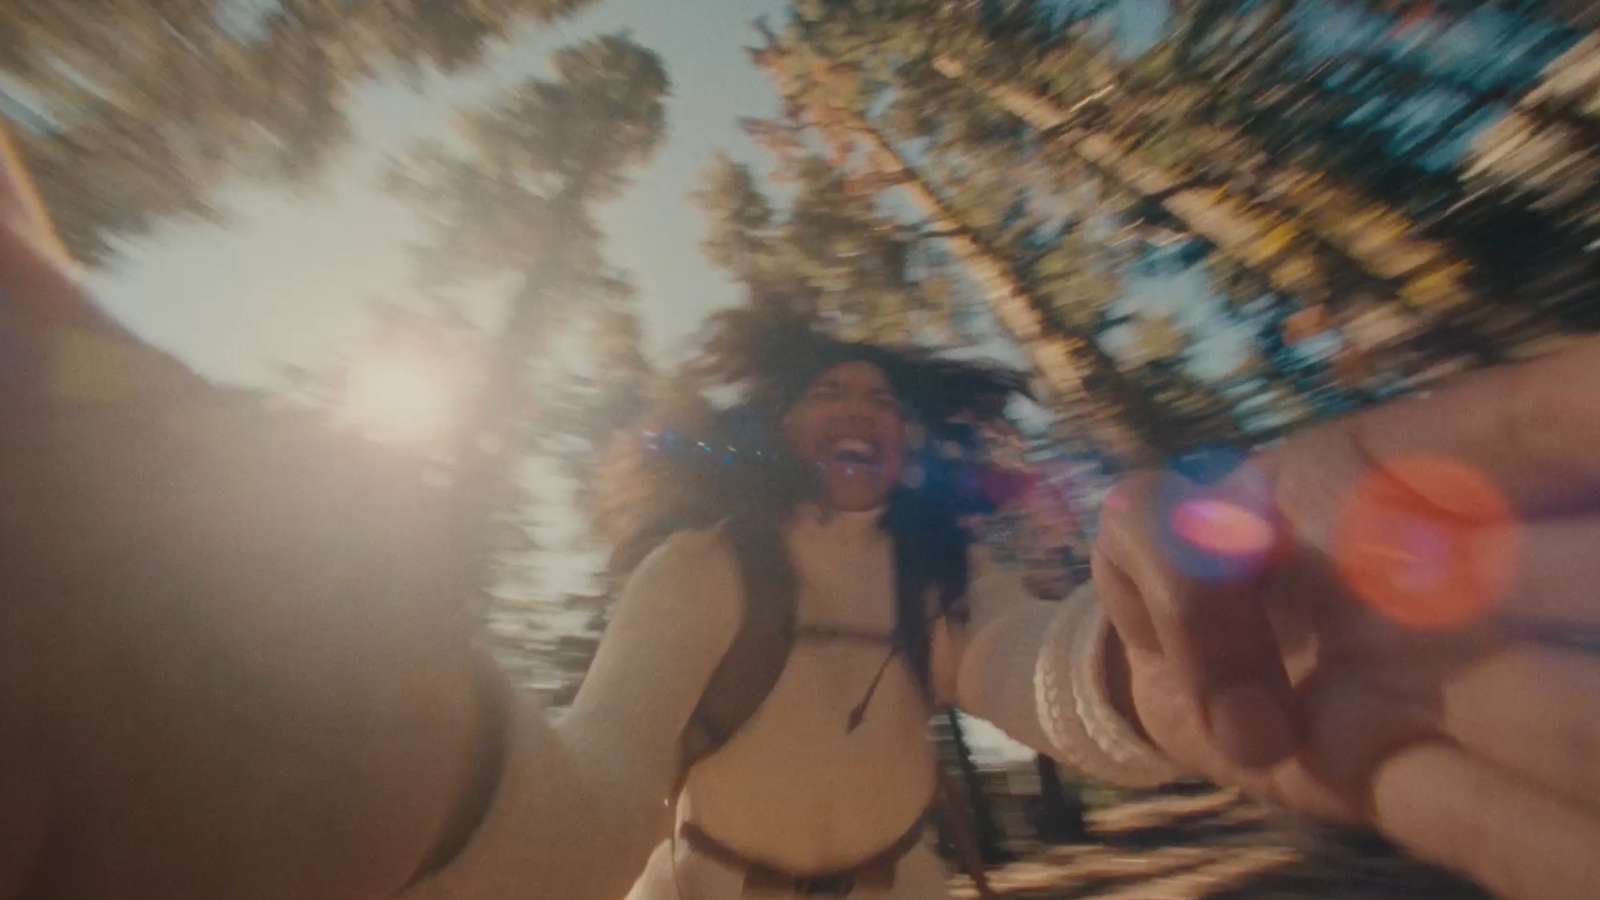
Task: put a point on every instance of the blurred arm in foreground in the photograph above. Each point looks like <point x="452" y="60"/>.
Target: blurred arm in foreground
<point x="232" y="661"/>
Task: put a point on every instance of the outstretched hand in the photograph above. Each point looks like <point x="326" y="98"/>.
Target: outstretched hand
<point x="1390" y="619"/>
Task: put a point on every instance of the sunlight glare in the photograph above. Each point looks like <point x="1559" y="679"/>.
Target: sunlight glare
<point x="397" y="397"/>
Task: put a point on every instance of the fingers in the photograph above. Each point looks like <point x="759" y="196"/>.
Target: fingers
<point x="1554" y="575"/>
<point x="1352" y="724"/>
<point x="1529" y="712"/>
<point x="1119" y="596"/>
<point x="1528" y="429"/>
<point x="1215" y="633"/>
<point x="1432" y="546"/>
<point x="1534" y="711"/>
<point x="1468" y="815"/>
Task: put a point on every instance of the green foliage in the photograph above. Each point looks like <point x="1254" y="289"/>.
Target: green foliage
<point x="978" y="182"/>
<point x="136" y="112"/>
<point x="566" y="370"/>
<point x="1313" y="173"/>
<point x="537" y="158"/>
<point x="835" y="253"/>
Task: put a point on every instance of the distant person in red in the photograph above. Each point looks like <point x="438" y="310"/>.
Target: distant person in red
<point x="232" y="664"/>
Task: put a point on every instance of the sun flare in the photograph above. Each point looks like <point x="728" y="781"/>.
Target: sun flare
<point x="400" y="397"/>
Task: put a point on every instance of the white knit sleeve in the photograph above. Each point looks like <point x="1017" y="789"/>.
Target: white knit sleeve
<point x="1075" y="706"/>
<point x="582" y="803"/>
<point x="1036" y="670"/>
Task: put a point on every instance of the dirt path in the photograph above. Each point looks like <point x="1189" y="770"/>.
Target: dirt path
<point x="1216" y="846"/>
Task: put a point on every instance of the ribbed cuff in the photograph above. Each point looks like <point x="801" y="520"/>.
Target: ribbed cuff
<point x="1075" y="706"/>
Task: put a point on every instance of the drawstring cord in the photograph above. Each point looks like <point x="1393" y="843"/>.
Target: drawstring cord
<point x="859" y="713"/>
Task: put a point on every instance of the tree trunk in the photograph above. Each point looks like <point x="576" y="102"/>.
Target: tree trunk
<point x="1420" y="275"/>
<point x="1073" y="366"/>
<point x="484" y="447"/>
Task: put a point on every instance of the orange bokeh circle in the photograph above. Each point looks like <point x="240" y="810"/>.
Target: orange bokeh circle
<point x="1428" y="542"/>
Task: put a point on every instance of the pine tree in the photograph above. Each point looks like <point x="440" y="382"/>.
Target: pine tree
<point x="1544" y="147"/>
<point x="135" y="112"/>
<point x="582" y="408"/>
<point x="832" y="250"/>
<point x="1312" y="238"/>
<point x="993" y="171"/>
<point x="1376" y="125"/>
<point x="520" y="202"/>
<point x="1215" y="134"/>
<point x="1079" y="375"/>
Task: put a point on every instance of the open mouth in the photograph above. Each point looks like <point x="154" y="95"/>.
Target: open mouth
<point x="853" y="452"/>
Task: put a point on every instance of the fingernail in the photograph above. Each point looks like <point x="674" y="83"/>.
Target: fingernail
<point x="1251" y="725"/>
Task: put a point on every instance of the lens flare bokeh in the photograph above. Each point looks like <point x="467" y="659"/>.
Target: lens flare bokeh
<point x="1215" y="515"/>
<point x="1427" y="542"/>
<point x="1222" y="527"/>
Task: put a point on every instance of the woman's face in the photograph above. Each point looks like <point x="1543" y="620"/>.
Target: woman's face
<point x="848" y="428"/>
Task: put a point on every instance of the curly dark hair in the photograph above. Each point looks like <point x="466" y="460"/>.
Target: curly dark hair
<point x="693" y="463"/>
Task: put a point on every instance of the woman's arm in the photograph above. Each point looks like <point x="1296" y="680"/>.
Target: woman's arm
<point x="1046" y="674"/>
<point x="583" y="803"/>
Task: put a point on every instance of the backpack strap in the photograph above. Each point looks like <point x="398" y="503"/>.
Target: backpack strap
<point x="759" y="652"/>
<point x="960" y="819"/>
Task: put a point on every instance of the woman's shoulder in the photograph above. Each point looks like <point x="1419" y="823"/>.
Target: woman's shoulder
<point x="698" y="558"/>
<point x="690" y="546"/>
<point x="686" y="594"/>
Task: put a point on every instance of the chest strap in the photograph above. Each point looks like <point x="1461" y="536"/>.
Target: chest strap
<point x="877" y="871"/>
<point x="838" y="634"/>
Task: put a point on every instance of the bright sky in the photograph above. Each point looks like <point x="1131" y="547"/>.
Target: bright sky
<point x="287" y="279"/>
